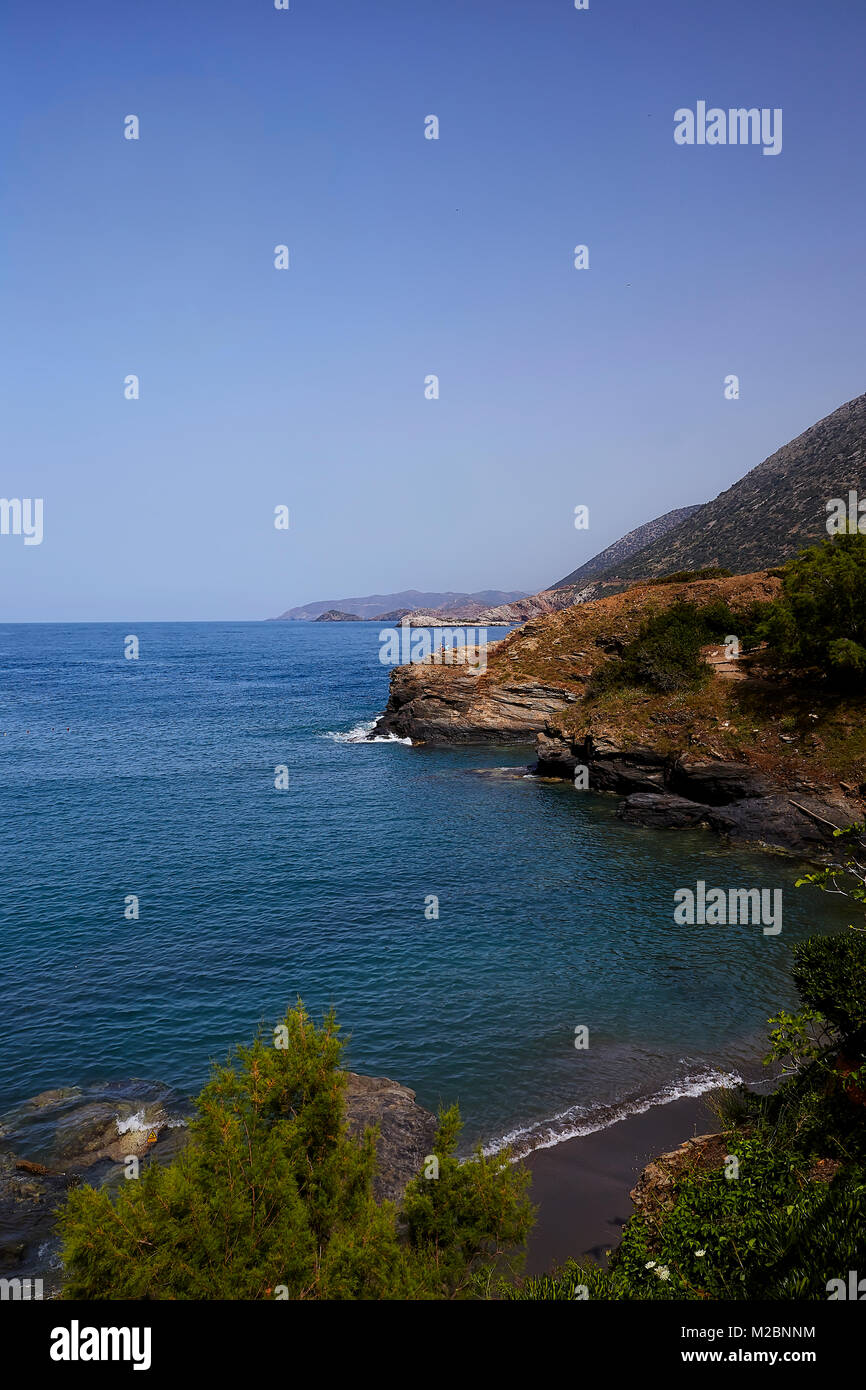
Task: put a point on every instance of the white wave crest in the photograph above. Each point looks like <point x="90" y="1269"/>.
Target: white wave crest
<point x="137" y="1123"/>
<point x="580" y="1119"/>
<point x="361" y="734"/>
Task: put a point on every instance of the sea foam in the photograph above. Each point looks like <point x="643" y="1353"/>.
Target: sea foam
<point x="579" y="1119"/>
<point x="361" y="734"/>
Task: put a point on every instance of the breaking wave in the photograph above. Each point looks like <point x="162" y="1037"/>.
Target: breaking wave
<point x="361" y="734"/>
<point x="584" y="1119"/>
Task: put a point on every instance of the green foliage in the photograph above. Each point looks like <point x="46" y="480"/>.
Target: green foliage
<point x="783" y="1221"/>
<point x="666" y="653"/>
<point x="574" y="1281"/>
<point x="272" y="1192"/>
<point x="820" y="617"/>
<point x="848" y="658"/>
<point x="830" y="975"/>
<point x="473" y="1213"/>
<point x="768" y="1233"/>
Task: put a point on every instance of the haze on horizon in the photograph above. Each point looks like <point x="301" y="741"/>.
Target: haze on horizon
<point x="409" y="257"/>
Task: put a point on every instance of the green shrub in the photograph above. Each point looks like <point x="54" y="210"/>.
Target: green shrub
<point x="273" y="1194"/>
<point x="778" y="1224"/>
<point x="666" y="653"/>
<point x="820" y="617"/>
<point x="830" y="975"/>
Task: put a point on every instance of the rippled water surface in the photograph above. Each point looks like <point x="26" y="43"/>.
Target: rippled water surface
<point x="156" y="778"/>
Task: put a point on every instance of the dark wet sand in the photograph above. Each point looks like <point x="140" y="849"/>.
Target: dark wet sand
<point x="581" y="1186"/>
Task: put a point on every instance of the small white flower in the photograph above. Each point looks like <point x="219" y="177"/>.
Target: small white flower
<point x="663" y="1272"/>
<point x="650" y="1264"/>
<point x="700" y="1253"/>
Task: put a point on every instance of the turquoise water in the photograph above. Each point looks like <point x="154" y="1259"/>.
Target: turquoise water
<point x="156" y="778"/>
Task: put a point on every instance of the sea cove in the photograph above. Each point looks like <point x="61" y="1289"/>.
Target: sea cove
<point x="155" y="778"/>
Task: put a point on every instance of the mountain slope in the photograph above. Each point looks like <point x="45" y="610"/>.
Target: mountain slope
<point x="623" y="549"/>
<point x="771" y="513"/>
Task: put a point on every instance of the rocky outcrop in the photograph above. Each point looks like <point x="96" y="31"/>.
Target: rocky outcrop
<point x="438" y="704"/>
<point x="406" y="1130"/>
<point x="735" y="800"/>
<point x="333" y="615"/>
<point x="656" y="1188"/>
<point x="803" y="827"/>
<point x="717" y="784"/>
<point x="757" y="755"/>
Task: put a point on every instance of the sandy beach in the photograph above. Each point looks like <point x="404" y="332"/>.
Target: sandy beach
<point x="581" y="1186"/>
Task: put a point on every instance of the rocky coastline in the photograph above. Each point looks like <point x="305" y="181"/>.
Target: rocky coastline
<point x="736" y="800"/>
<point x="660" y="789"/>
<point x="731" y="759"/>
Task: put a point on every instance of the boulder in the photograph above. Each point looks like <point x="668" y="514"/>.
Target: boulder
<point x="655" y="1190"/>
<point x="801" y="826"/>
<point x="717" y="783"/>
<point x="617" y="775"/>
<point x="406" y="1130"/>
<point x="661" y="811"/>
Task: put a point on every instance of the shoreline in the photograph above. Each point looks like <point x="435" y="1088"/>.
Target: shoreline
<point x="581" y="1186"/>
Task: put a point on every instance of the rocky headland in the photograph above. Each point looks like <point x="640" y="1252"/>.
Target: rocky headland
<point x="755" y="755"/>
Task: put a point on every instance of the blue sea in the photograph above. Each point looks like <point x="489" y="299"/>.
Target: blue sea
<point x="156" y="778"/>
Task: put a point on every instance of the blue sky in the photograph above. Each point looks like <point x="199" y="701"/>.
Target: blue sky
<point x="409" y="256"/>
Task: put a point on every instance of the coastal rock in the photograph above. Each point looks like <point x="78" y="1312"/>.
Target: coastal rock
<point x="802" y="826"/>
<point x="661" y="811"/>
<point x="717" y="783"/>
<point x="456" y="704"/>
<point x="655" y="1191"/>
<point x="556" y="757"/>
<point x="616" y="775"/>
<point x="406" y="1130"/>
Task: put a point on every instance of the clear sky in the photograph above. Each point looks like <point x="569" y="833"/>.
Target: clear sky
<point x="408" y="257"/>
